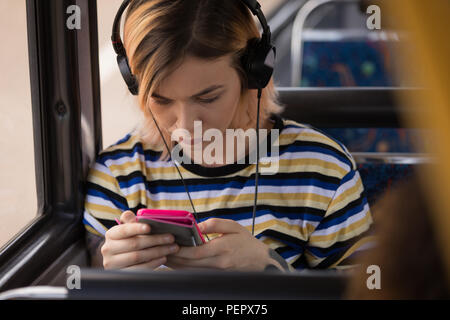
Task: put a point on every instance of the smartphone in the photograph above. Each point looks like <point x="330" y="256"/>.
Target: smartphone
<point x="181" y="224"/>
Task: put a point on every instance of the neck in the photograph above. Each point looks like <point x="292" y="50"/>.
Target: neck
<point x="237" y="154"/>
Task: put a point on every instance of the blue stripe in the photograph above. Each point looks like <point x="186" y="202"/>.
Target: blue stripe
<point x="234" y="184"/>
<point x="87" y="223"/>
<point x="123" y="140"/>
<point x="344" y="217"/>
<point x="294" y="126"/>
<point x="317" y="252"/>
<point x="349" y="176"/>
<point x="287" y="254"/>
<point x="248" y="215"/>
<point x="96" y="193"/>
<point x="128" y="153"/>
<point x="132" y="182"/>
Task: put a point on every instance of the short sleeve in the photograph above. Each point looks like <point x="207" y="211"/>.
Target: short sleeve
<point x="104" y="201"/>
<point x="345" y="228"/>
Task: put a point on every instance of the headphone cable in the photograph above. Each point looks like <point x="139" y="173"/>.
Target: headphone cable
<point x="179" y="172"/>
<point x="257" y="162"/>
<point x="256" y="171"/>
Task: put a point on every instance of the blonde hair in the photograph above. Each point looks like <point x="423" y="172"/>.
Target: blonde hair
<point x="158" y="34"/>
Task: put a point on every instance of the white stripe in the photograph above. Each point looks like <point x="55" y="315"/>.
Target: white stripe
<point x="141" y="157"/>
<point x="347" y="185"/>
<point x="133" y="189"/>
<point x="124" y="159"/>
<point x="100" y="167"/>
<point x="359" y="216"/>
<point x="293" y="130"/>
<point x="100" y="201"/>
<point x="94" y="223"/>
<point x="267" y="217"/>
<point x="314" y="155"/>
<point x="159" y="164"/>
<point x="291" y="259"/>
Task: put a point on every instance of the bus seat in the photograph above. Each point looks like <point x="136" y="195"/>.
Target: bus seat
<point x="379" y="178"/>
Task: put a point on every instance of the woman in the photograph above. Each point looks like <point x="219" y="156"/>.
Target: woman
<point x="187" y="58"/>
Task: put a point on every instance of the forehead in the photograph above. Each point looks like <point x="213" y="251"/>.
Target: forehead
<point x="194" y="74"/>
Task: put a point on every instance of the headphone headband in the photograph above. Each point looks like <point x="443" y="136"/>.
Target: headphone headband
<point x="263" y="65"/>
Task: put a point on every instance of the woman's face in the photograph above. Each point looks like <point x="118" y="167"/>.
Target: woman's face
<point x="198" y="90"/>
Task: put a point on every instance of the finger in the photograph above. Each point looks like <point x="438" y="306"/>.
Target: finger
<point x="148" y="265"/>
<point x="129" y="259"/>
<point x="200" y="252"/>
<point x="127" y="230"/>
<point x="136" y="243"/>
<point x="127" y="217"/>
<point x="216" y="225"/>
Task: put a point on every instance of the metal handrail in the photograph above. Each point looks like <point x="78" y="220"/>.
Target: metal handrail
<point x="297" y="30"/>
<point x="39" y="292"/>
<point x="392" y="158"/>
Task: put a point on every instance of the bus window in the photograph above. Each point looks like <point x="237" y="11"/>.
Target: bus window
<point x="18" y="200"/>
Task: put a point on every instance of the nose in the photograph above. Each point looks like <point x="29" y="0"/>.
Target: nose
<point x="186" y="118"/>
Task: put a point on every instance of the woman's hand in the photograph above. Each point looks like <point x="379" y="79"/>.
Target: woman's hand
<point x="130" y="246"/>
<point x="235" y="249"/>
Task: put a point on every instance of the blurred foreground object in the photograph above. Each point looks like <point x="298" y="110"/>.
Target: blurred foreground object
<point x="409" y="259"/>
<point x="427" y="22"/>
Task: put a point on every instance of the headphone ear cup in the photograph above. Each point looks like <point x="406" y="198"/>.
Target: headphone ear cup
<point x="258" y="62"/>
<point x="127" y="75"/>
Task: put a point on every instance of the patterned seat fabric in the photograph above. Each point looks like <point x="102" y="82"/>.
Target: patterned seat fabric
<point x="358" y="64"/>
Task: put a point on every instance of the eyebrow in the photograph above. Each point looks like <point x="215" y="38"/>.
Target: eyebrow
<point x="201" y="93"/>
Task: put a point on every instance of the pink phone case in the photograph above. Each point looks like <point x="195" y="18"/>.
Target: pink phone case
<point x="180" y="223"/>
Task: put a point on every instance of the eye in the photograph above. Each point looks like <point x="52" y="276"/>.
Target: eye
<point x="163" y="102"/>
<point x="210" y="100"/>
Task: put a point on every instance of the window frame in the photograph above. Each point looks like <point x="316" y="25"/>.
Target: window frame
<point x="65" y="91"/>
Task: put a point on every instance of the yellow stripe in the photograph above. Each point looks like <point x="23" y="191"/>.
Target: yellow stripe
<point x="345" y="198"/>
<point x="169" y="173"/>
<point x="272" y="243"/>
<point x="313" y="261"/>
<point x="124" y="145"/>
<point x="311" y="137"/>
<point x="230" y="201"/>
<point x="313" y="162"/>
<point x="103" y="212"/>
<point x="292" y="230"/>
<point x="289" y="165"/>
<point x="92" y="230"/>
<point x="103" y="176"/>
<point x="288" y="122"/>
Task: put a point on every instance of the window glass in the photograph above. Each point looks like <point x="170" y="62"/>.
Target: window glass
<point x="18" y="201"/>
<point x="120" y="110"/>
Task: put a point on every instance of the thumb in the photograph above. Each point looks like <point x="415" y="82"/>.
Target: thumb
<point x="127" y="217"/>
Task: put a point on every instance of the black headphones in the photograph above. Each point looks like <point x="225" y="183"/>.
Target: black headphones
<point x="258" y="60"/>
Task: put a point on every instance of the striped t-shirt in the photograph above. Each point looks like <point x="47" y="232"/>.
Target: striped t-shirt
<point x="312" y="211"/>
